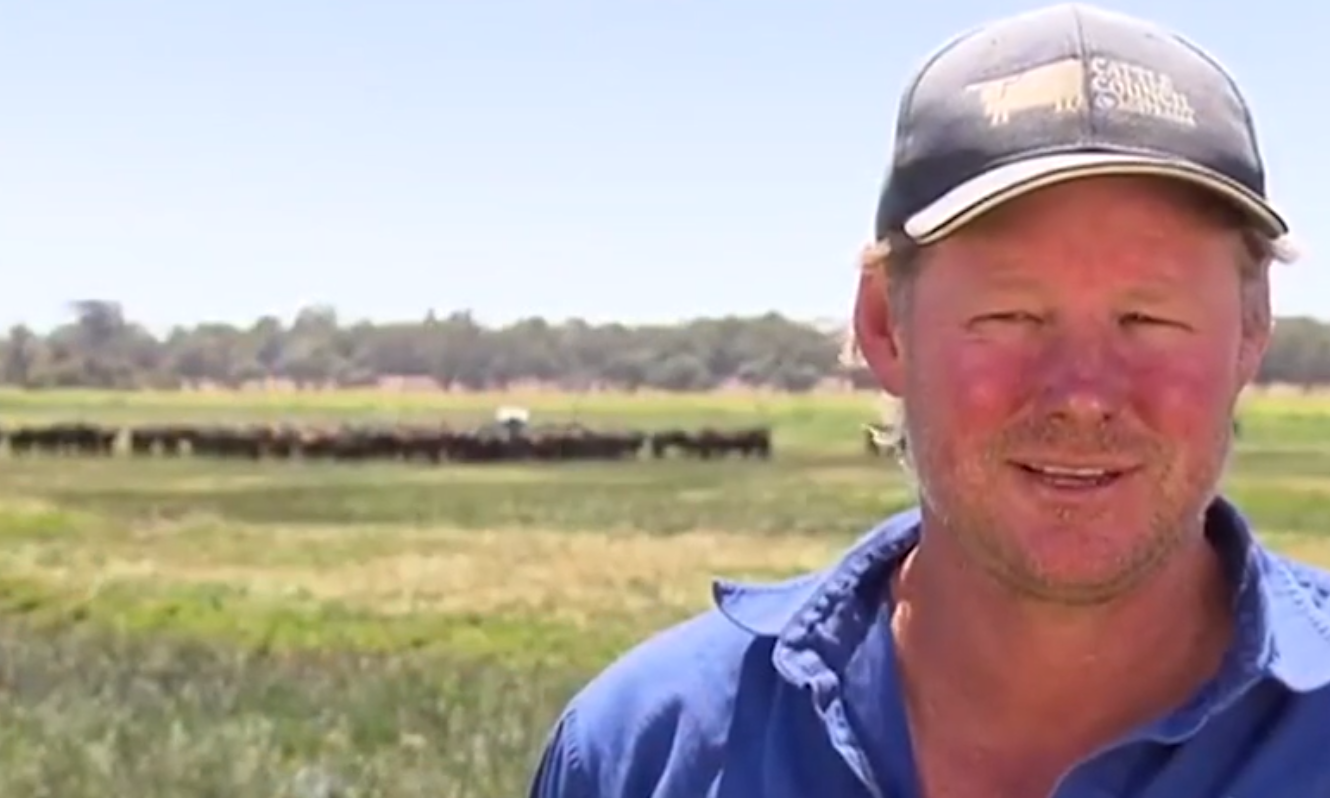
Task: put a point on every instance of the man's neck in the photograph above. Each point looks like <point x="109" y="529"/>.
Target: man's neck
<point x="1039" y="676"/>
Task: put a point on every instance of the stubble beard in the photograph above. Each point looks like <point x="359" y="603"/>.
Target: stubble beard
<point x="959" y="498"/>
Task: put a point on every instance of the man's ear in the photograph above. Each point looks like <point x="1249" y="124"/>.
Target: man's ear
<point x="1257" y="326"/>
<point x="876" y="330"/>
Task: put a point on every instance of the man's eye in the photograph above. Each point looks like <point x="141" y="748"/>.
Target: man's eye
<point x="1141" y="318"/>
<point x="1011" y="316"/>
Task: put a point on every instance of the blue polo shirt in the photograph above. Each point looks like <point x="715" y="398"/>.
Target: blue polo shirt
<point x="788" y="690"/>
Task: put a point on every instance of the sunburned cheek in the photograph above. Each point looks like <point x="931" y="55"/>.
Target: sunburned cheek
<point x="993" y="380"/>
<point x="976" y="391"/>
<point x="1183" y="393"/>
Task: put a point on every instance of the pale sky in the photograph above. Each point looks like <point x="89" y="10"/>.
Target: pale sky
<point x="613" y="159"/>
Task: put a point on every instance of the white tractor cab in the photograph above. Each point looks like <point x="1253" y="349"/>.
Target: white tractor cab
<point x="514" y="420"/>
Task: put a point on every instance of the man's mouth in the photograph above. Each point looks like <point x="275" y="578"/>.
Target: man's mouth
<point x="1072" y="477"/>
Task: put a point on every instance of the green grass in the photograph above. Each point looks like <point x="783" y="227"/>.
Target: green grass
<point x="192" y="629"/>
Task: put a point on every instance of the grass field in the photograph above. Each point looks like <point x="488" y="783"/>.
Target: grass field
<point x="187" y="629"/>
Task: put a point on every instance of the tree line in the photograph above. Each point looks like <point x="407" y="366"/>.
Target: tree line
<point x="101" y="347"/>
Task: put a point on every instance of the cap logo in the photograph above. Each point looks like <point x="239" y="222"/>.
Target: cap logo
<point x="1119" y="87"/>
<point x="1063" y="87"/>
<point x="1058" y="87"/>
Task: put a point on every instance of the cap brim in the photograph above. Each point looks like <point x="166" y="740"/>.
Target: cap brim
<point x="975" y="197"/>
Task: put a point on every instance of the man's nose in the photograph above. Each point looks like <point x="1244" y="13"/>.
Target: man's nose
<point x="1081" y="379"/>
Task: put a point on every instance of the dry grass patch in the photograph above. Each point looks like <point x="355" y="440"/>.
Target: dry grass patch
<point x="1284" y="482"/>
<point x="1311" y="549"/>
<point x="888" y="478"/>
<point x="571" y="577"/>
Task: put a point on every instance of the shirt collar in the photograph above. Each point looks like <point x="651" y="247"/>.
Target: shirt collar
<point x="1283" y="607"/>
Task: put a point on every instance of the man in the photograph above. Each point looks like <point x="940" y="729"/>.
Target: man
<point x="1068" y="291"/>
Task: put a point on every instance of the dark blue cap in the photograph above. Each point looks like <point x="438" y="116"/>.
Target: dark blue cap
<point x="1061" y="93"/>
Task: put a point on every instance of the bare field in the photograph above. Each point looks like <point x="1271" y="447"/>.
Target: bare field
<point x="190" y="628"/>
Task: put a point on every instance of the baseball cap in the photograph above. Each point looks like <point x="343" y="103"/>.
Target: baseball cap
<point x="1060" y="93"/>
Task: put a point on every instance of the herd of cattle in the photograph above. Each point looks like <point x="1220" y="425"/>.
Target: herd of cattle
<point x="352" y="443"/>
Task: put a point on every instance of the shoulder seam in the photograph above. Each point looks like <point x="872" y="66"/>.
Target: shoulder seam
<point x="579" y="772"/>
<point x="562" y="769"/>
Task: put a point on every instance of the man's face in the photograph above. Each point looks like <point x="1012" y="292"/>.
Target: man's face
<point x="1070" y="366"/>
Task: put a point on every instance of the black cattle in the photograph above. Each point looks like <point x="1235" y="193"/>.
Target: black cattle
<point x="63" y="439"/>
<point x="350" y="443"/>
<point x="710" y="443"/>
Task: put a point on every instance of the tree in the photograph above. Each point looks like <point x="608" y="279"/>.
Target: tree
<point x="102" y="347"/>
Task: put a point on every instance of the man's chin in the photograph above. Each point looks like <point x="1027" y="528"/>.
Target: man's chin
<point x="1080" y="564"/>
